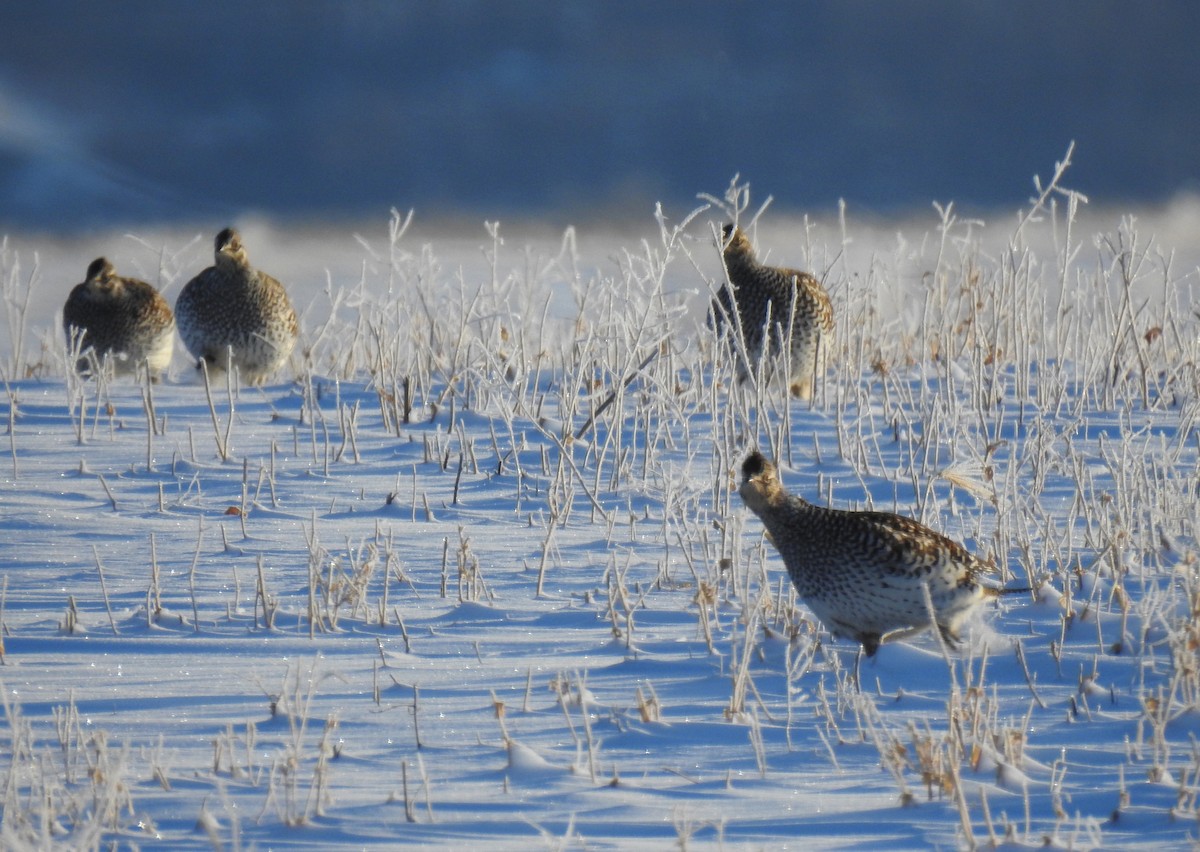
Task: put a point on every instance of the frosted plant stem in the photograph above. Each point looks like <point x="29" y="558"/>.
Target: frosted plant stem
<point x="104" y="591"/>
<point x="222" y="446"/>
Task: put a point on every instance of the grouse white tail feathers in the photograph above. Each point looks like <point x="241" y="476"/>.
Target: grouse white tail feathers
<point x="793" y="303"/>
<point x="866" y="575"/>
<point x="125" y="319"/>
<point x="232" y="310"/>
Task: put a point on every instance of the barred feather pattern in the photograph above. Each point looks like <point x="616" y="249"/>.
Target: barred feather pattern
<point x="231" y="308"/>
<point x="864" y="574"/>
<point x="122" y="318"/>
<point x="794" y="303"/>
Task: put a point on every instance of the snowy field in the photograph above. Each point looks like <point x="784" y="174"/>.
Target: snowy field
<point x="425" y="589"/>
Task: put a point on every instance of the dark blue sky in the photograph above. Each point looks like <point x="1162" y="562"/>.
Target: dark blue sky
<point x="116" y="113"/>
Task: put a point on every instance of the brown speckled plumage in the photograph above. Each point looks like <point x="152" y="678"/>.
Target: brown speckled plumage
<point x="789" y="296"/>
<point x="123" y="318"/>
<point x="233" y="306"/>
<point x="862" y="573"/>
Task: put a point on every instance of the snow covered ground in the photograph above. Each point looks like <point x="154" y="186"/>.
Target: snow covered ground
<point x="408" y="595"/>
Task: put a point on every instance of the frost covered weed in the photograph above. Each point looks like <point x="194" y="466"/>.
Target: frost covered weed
<point x="220" y="435"/>
<point x="73" y="799"/>
<point x="1038" y="404"/>
<point x="15" y="293"/>
<point x="980" y="338"/>
<point x="341" y="583"/>
<point x="290" y="768"/>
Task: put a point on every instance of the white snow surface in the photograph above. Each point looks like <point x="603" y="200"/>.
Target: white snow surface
<point x="293" y="618"/>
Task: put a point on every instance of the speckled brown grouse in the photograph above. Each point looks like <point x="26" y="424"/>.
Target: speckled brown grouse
<point x="233" y="308"/>
<point x="122" y="318"/>
<point x="863" y="574"/>
<point x="795" y="304"/>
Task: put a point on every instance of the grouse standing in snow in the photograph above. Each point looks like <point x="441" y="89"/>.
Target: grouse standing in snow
<point x="122" y="318"/>
<point x="794" y="302"/>
<point x="233" y="309"/>
<point x="864" y="574"/>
